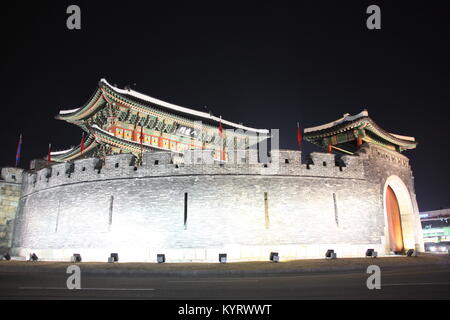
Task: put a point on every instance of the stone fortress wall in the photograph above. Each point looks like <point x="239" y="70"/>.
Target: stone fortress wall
<point x="191" y="208"/>
<point x="10" y="189"/>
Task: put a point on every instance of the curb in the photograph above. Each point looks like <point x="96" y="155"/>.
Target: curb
<point x="271" y="270"/>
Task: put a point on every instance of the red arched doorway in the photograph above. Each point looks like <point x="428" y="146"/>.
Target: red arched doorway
<point x="394" y="221"/>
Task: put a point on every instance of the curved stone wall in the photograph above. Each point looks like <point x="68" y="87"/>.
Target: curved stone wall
<point x="299" y="209"/>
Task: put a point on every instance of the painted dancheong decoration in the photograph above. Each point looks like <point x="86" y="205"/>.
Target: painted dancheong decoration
<point x="349" y="132"/>
<point x="114" y="120"/>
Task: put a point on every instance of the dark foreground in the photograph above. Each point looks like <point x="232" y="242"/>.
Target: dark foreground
<point x="421" y="281"/>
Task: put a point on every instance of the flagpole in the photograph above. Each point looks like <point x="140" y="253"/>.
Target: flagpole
<point x="222" y="151"/>
<point x="49" y="158"/>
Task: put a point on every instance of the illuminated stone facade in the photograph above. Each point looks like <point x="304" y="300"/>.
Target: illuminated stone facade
<point x="297" y="206"/>
<point x="10" y="185"/>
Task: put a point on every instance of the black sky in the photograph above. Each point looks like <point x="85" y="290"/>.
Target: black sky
<point x="266" y="64"/>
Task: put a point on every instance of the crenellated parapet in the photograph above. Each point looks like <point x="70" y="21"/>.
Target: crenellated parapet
<point x="194" y="162"/>
<point x="374" y="152"/>
<point x="380" y="163"/>
<point x="11" y="175"/>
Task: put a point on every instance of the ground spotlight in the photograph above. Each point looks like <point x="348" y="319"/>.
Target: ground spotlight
<point x="274" y="257"/>
<point x="330" y="254"/>
<point x="76" y="257"/>
<point x="222" y="257"/>
<point x="371" y="253"/>
<point x="411" y="253"/>
<point x="114" y="257"/>
<point x="33" y="257"/>
<point x="161" y="258"/>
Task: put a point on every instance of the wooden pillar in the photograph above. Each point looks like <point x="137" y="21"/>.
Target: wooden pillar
<point x="359" y="141"/>
<point x="358" y="136"/>
<point x="329" y="147"/>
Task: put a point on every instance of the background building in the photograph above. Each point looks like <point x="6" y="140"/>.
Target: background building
<point x="436" y="230"/>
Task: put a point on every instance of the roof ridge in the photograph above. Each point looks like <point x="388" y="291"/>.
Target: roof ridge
<point x="178" y="108"/>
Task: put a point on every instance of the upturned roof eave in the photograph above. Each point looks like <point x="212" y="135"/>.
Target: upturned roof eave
<point x="73" y="152"/>
<point x="134" y="96"/>
<point x="365" y="122"/>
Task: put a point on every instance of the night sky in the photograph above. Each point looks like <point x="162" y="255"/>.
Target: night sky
<point x="265" y="64"/>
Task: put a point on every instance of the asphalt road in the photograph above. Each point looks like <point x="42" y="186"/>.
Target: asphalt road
<point x="396" y="283"/>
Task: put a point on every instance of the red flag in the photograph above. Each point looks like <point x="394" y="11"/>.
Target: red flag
<point x="49" y="158"/>
<point x="359" y="141"/>
<point x="19" y="149"/>
<point x="220" y="127"/>
<point x="222" y="151"/>
<point x="82" y="143"/>
<point x="299" y="136"/>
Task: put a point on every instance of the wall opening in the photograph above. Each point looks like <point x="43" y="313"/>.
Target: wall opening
<point x="266" y="211"/>
<point x="185" y="209"/>
<point x="336" y="217"/>
<point x="57" y="216"/>
<point x="111" y="206"/>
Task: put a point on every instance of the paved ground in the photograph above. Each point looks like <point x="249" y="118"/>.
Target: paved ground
<point x="425" y="277"/>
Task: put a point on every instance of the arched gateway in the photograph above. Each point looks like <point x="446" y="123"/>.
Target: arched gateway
<point x="394" y="222"/>
<point x="399" y="216"/>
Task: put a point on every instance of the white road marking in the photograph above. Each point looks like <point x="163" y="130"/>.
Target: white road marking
<point x="415" y="284"/>
<point x="95" y="289"/>
<point x="213" y="281"/>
